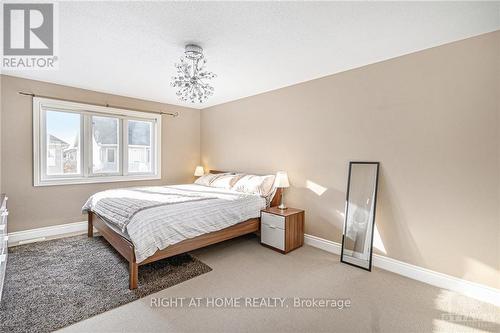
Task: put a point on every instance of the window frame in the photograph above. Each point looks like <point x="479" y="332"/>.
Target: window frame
<point x="86" y="111"/>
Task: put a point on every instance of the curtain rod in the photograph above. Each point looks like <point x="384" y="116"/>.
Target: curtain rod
<point x="175" y="114"/>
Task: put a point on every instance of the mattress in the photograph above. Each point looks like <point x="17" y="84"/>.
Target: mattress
<point x="155" y="217"/>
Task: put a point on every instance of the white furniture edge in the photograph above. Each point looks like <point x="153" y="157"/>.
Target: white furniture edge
<point x="468" y="288"/>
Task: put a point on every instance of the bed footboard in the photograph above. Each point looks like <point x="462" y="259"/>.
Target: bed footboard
<point x="122" y="245"/>
<point x="126" y="248"/>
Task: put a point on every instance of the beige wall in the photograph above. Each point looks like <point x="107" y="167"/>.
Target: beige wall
<point x="431" y="118"/>
<point x="35" y="207"/>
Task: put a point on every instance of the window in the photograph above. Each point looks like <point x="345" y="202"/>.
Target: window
<point x="105" y="140"/>
<point x="111" y="155"/>
<point x="62" y="139"/>
<point x="139" y="146"/>
<point x="80" y="143"/>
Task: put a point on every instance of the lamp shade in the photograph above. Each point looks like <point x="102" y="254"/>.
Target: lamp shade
<point x="199" y="171"/>
<point x="281" y="179"/>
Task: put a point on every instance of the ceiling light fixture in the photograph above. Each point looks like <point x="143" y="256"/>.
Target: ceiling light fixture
<point x="191" y="76"/>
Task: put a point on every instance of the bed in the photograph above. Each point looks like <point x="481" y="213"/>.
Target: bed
<point x="196" y="216"/>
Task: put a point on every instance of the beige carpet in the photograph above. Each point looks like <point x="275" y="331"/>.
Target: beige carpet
<point x="381" y="301"/>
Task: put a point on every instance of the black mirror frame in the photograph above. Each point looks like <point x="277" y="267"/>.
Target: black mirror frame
<point x="346" y="211"/>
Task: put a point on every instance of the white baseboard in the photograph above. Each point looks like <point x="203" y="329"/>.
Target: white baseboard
<point x="468" y="288"/>
<point x="40" y="234"/>
<point x="322" y="243"/>
<point x="471" y="289"/>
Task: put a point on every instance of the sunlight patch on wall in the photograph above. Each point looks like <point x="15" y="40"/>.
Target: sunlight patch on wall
<point x="377" y="241"/>
<point x="316" y="188"/>
<point x="341" y="214"/>
<point x="474" y="267"/>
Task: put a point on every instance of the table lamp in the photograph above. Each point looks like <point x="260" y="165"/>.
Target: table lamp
<point x="281" y="181"/>
<point x="198" y="172"/>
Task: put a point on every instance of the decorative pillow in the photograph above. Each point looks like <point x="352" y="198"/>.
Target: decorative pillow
<point x="205" y="180"/>
<point x="261" y="185"/>
<point x="226" y="181"/>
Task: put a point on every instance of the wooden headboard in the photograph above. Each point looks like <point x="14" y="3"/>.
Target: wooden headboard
<point x="277" y="197"/>
<point x="218" y="171"/>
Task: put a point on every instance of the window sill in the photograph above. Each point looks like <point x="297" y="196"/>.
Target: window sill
<point x="94" y="180"/>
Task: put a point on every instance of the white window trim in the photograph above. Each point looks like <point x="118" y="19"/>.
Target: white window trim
<point x="86" y="176"/>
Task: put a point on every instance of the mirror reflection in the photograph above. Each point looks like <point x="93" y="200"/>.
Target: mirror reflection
<point x="357" y="240"/>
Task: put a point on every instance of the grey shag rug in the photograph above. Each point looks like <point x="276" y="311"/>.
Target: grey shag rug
<point x="52" y="284"/>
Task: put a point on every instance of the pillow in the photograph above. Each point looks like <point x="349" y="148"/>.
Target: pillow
<point x="261" y="185"/>
<point x="226" y="181"/>
<point x="205" y="180"/>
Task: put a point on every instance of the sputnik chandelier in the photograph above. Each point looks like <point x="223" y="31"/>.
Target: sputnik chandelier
<point x="191" y="79"/>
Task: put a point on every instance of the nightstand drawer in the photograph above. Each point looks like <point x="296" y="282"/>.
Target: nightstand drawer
<point x="273" y="220"/>
<point x="272" y="236"/>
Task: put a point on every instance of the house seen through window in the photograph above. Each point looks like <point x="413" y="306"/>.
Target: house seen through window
<point x="75" y="144"/>
<point x="63" y="143"/>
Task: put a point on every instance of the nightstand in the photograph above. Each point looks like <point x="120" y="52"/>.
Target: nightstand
<point x="282" y="230"/>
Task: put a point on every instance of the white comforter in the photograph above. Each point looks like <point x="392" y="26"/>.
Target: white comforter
<point x="153" y="227"/>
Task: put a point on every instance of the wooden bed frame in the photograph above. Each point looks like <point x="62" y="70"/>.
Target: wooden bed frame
<point x="126" y="248"/>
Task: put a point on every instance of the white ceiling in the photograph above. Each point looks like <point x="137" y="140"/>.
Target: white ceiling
<point x="129" y="48"/>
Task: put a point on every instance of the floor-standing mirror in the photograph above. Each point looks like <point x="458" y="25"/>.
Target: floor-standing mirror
<point x="359" y="222"/>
